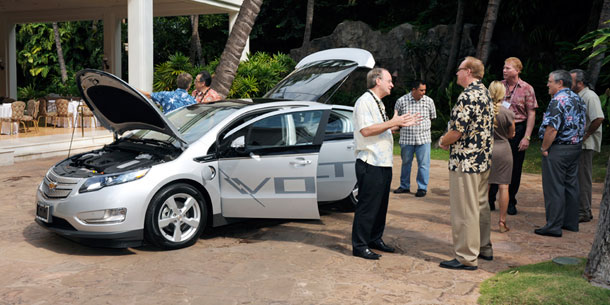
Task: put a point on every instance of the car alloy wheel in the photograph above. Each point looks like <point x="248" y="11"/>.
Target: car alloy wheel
<point x="176" y="217"/>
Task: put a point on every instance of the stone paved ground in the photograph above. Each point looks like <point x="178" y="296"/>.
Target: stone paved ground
<point x="270" y="261"/>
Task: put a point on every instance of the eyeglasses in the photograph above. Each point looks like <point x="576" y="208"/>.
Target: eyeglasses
<point x="459" y="69"/>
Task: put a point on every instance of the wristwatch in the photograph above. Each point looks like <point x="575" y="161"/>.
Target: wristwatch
<point x="542" y="149"/>
<point x="528" y="138"/>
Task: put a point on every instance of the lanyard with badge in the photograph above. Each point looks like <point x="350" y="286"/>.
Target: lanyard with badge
<point x="384" y="116"/>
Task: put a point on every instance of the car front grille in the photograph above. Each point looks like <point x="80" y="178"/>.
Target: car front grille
<point x="55" y="186"/>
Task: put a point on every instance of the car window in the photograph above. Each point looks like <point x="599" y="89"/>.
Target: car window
<point x="277" y="133"/>
<point x="284" y="130"/>
<point x="312" y="81"/>
<point x="339" y="125"/>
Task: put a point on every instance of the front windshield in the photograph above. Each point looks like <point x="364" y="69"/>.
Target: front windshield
<point x="192" y="121"/>
<point x="312" y="81"/>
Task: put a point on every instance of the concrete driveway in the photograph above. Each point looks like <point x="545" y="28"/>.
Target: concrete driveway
<point x="271" y="261"/>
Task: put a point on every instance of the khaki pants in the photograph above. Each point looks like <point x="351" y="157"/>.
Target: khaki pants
<point x="470" y="216"/>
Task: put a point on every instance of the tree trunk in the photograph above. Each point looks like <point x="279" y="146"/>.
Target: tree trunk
<point x="456" y="40"/>
<point x="308" y="22"/>
<point x="196" y="58"/>
<point x="229" y="60"/>
<point x="595" y="64"/>
<point x="487" y="29"/>
<point x="597" y="270"/>
<point x="60" y="54"/>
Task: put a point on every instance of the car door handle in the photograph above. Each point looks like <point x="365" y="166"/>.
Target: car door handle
<point x="300" y="161"/>
<point x="350" y="147"/>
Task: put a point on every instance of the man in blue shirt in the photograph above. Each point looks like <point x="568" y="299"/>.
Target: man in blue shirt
<point x="170" y="100"/>
<point x="561" y="131"/>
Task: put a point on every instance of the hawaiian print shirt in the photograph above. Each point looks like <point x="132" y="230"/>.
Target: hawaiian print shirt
<point x="207" y="96"/>
<point x="566" y="113"/>
<point x="473" y="117"/>
<point x="416" y="134"/>
<point x="170" y="100"/>
<point x="522" y="99"/>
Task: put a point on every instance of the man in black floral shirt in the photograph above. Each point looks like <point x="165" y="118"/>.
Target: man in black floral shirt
<point x="469" y="140"/>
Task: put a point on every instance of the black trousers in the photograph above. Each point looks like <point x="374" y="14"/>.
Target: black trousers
<point x="373" y="195"/>
<point x="518" y="158"/>
<point x="560" y="187"/>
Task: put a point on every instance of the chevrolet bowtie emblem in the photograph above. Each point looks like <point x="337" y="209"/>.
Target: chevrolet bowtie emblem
<point x="52" y="185"/>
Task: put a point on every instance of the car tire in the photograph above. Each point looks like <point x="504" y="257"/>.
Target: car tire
<point x="178" y="206"/>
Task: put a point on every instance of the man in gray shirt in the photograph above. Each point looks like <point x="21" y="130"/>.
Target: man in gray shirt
<point x="592" y="141"/>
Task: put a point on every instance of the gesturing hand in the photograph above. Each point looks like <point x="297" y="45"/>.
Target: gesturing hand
<point x="406" y="119"/>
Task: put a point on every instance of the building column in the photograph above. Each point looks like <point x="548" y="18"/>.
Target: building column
<point x="140" y="43"/>
<point x="112" y="43"/>
<point x="244" y="53"/>
<point x="8" y="66"/>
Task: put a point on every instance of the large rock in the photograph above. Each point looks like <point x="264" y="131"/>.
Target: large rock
<point x="404" y="51"/>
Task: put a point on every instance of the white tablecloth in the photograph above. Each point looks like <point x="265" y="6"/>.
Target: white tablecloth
<point x="6" y="112"/>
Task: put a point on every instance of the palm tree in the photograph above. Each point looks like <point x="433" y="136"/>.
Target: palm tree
<point x="60" y="54"/>
<point x="308" y="22"/>
<point x="597" y="270"/>
<point x="196" y="58"/>
<point x="487" y="29"/>
<point x="229" y="60"/>
<point x="458" y="28"/>
<point x="595" y="63"/>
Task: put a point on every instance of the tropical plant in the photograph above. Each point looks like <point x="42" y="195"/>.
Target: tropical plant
<point x="164" y="78"/>
<point x="230" y="57"/>
<point x="27" y="92"/>
<point x="598" y="40"/>
<point x="259" y="74"/>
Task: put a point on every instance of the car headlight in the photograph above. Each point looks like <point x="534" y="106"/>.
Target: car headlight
<point x="98" y="182"/>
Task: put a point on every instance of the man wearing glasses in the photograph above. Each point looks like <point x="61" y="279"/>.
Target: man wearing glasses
<point x="469" y="139"/>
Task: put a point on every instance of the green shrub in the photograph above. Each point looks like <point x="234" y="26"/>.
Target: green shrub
<point x="164" y="78"/>
<point x="259" y="74"/>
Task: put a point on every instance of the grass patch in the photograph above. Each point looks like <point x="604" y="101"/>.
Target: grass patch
<point x="542" y="283"/>
<point x="533" y="159"/>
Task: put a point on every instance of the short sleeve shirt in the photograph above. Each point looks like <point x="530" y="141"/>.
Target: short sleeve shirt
<point x="375" y="150"/>
<point x="416" y="134"/>
<point x="521" y="98"/>
<point x="207" y="96"/>
<point x="594" y="111"/>
<point x="472" y="116"/>
<point x="170" y="100"/>
<point x="566" y="113"/>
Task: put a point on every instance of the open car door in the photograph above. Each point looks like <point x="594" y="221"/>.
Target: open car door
<point x="268" y="165"/>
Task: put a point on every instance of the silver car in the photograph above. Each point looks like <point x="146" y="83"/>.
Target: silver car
<point x="165" y="178"/>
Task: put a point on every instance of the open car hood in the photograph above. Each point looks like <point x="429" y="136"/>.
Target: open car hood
<point x="320" y="72"/>
<point x="119" y="107"/>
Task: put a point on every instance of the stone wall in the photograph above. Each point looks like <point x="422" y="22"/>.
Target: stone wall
<point x="405" y="52"/>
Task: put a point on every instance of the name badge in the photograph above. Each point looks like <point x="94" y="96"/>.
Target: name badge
<point x="506" y="104"/>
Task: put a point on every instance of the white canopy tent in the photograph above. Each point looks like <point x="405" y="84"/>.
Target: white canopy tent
<point x="139" y="14"/>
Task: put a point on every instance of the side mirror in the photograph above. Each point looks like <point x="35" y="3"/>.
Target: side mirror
<point x="238" y="144"/>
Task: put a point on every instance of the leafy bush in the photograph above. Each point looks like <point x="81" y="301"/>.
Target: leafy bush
<point x="259" y="74"/>
<point x="164" y="78"/>
<point x="255" y="76"/>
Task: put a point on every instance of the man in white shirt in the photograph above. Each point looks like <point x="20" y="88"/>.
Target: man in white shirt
<point x="591" y="142"/>
<point x="374" y="147"/>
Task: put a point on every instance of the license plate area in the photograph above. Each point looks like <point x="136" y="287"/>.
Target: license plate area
<point x="43" y="212"/>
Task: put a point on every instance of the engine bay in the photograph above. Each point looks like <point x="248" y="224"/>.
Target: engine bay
<point x="121" y="156"/>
